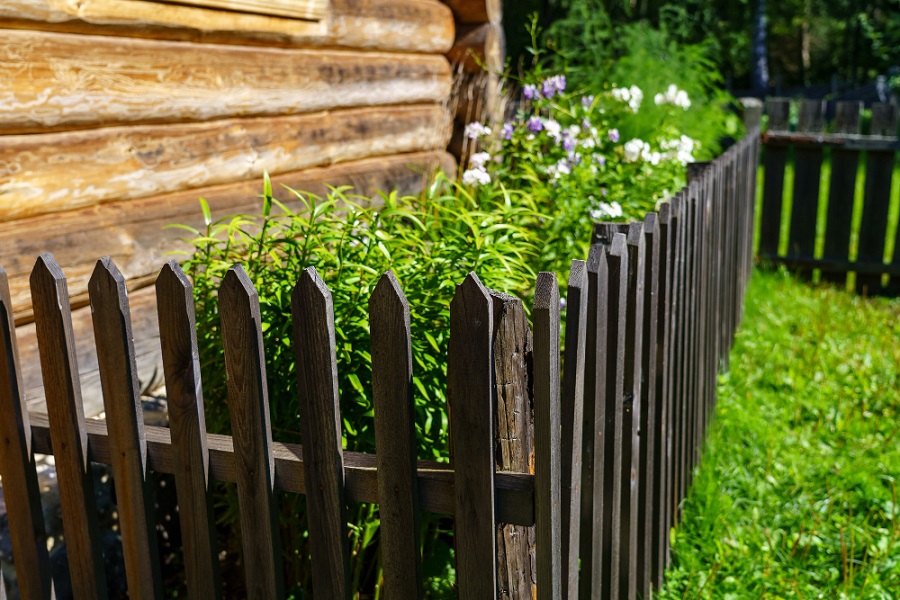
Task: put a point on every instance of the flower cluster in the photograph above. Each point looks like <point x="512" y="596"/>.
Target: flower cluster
<point x="637" y="149"/>
<point x="549" y="88"/>
<point x="673" y="96"/>
<point x="477" y="173"/>
<point x="681" y="149"/>
<point x="633" y="96"/>
<point x="476" y="130"/>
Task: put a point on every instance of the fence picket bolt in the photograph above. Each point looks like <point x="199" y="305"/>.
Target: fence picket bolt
<point x="547" y="465"/>
<point x="181" y="365"/>
<point x="395" y="439"/>
<point x="17" y="468"/>
<point x="62" y="390"/>
<point x="470" y="392"/>
<point x="248" y="401"/>
<point x="320" y="422"/>
<point x="124" y="417"/>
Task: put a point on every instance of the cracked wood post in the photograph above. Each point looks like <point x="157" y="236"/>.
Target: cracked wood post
<point x="514" y="431"/>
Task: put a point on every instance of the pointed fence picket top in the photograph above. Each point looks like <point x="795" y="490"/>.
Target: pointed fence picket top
<point x="395" y="439"/>
<point x="17" y="468"/>
<point x="614" y="399"/>
<point x="125" y="425"/>
<point x="320" y="419"/>
<point x="62" y="391"/>
<point x="470" y="391"/>
<point x="547" y="425"/>
<point x="514" y="436"/>
<point x="593" y="523"/>
<point x="651" y="411"/>
<point x="248" y="402"/>
<point x="572" y="423"/>
<point x="187" y="423"/>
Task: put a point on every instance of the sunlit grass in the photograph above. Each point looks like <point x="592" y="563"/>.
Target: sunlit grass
<point x="796" y="495"/>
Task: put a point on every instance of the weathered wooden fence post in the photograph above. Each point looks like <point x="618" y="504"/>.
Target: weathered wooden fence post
<point x="842" y="187"/>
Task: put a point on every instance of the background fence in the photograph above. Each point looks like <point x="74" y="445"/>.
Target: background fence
<point x="548" y="468"/>
<point x="827" y="193"/>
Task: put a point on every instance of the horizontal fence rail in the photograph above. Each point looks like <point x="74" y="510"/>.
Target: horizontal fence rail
<point x="840" y="246"/>
<point x="568" y="462"/>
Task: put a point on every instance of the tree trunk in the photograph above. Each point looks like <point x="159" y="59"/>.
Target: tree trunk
<point x="760" y="60"/>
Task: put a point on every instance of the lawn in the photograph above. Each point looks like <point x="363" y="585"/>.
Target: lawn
<point x="796" y="494"/>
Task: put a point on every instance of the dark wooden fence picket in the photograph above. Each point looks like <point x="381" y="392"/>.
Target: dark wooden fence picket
<point x="395" y="439"/>
<point x="125" y="423"/>
<point x="17" y="467"/>
<point x="62" y="390"/>
<point x="836" y="257"/>
<point x="248" y="403"/>
<point x="559" y="488"/>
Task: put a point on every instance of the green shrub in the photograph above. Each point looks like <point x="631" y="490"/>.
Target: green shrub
<point x="431" y="242"/>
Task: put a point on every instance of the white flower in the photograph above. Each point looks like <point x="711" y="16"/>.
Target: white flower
<point x="476" y="177"/>
<point x="558" y="170"/>
<point x="654" y="157"/>
<point x="674" y="96"/>
<point x="553" y="129"/>
<point x="612" y="210"/>
<point x="479" y="159"/>
<point x="476" y="130"/>
<point x="637" y="96"/>
<point x="633" y="149"/>
<point x="621" y="94"/>
<point x="573" y="130"/>
<point x="681" y="149"/>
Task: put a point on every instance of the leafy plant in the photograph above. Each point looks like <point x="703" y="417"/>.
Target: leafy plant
<point x="431" y="242"/>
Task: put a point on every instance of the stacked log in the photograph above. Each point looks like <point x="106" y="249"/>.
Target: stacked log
<point x="117" y="115"/>
<point x="478" y="57"/>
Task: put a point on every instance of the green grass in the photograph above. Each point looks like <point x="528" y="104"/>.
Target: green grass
<point x="796" y="494"/>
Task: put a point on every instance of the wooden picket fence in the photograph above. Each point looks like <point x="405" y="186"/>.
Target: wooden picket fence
<point x="848" y="150"/>
<point x="547" y="471"/>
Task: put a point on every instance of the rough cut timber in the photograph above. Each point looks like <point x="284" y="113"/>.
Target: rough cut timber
<point x="396" y="25"/>
<point x="141" y="243"/>
<point x="135" y="235"/>
<point x="476" y="11"/>
<point x="54" y="172"/>
<point x="64" y="81"/>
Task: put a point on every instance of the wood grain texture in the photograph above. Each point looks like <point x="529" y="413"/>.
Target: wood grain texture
<point x="320" y="416"/>
<point x="124" y="414"/>
<point x="59" y="367"/>
<point x="593" y="471"/>
<point x="547" y="447"/>
<point x="184" y="392"/>
<point x="145" y="329"/>
<point x="298" y="9"/>
<point x="134" y="233"/>
<point x="514" y="492"/>
<point x="478" y="48"/>
<point x="424" y="26"/>
<point x="651" y="413"/>
<point x="514" y="436"/>
<point x="17" y="468"/>
<point x="66" y="81"/>
<point x="662" y="433"/>
<point x="476" y="11"/>
<point x="632" y="409"/>
<point x="778" y="110"/>
<point x="141" y="161"/>
<point x="614" y="399"/>
<point x="395" y="439"/>
<point x="248" y="403"/>
<point x="470" y="386"/>
<point x="572" y="417"/>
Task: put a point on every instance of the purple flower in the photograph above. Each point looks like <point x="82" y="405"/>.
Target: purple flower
<point x="530" y="92"/>
<point x="568" y="144"/>
<point x="586" y="101"/>
<point x="535" y="125"/>
<point x="562" y="304"/>
<point x="614" y="135"/>
<point x="553" y="85"/>
<point x="507" y="131"/>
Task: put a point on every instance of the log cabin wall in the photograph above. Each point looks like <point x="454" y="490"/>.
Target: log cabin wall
<point x="477" y="56"/>
<point x="117" y="115"/>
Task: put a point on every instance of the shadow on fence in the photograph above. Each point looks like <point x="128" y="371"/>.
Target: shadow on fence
<point x="548" y="470"/>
